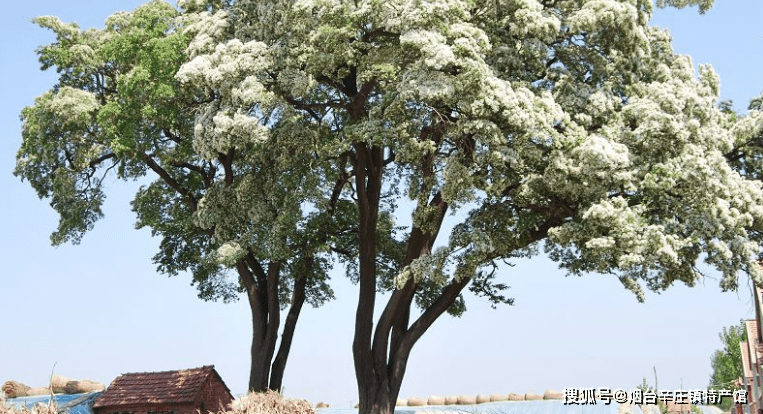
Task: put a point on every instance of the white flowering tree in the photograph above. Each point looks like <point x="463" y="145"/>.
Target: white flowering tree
<point x="564" y="124"/>
<point x="117" y="110"/>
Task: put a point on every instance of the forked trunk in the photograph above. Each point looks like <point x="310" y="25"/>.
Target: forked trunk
<point x="262" y="292"/>
<point x="261" y="351"/>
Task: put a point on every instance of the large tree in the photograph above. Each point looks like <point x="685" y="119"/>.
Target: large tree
<point x="564" y="124"/>
<point x="117" y="110"/>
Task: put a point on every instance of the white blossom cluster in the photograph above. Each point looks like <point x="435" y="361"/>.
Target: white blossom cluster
<point x="218" y="131"/>
<point x="579" y="111"/>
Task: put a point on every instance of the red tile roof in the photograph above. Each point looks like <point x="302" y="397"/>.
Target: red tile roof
<point x="167" y="387"/>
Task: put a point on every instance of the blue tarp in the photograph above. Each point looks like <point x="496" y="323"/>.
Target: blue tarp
<point x="71" y="403"/>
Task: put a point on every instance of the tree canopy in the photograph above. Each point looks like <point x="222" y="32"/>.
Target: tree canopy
<point x="118" y="111"/>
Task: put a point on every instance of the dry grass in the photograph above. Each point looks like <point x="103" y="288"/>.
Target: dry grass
<point x="269" y="402"/>
<point x="38" y="409"/>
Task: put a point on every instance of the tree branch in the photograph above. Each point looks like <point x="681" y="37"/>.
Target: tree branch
<point x="94" y="162"/>
<point x="171" y="181"/>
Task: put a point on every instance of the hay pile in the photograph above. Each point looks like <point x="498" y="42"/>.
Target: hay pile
<point x="497" y="397"/>
<point x="269" y="402"/>
<point x="57" y="383"/>
<point x="79" y="387"/>
<point x="38" y="391"/>
<point x="435" y="400"/>
<point x="530" y="396"/>
<point x="416" y="402"/>
<point x="466" y="400"/>
<point x="13" y="389"/>
<point x="553" y="395"/>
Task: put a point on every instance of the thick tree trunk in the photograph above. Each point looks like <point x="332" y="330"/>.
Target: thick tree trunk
<point x="381" y="400"/>
<point x="368" y="175"/>
<point x="298" y="299"/>
<point x="260" y="368"/>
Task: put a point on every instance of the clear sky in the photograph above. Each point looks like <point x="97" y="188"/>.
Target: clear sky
<point x="100" y="309"/>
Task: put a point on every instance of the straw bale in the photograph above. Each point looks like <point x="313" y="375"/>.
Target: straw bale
<point x="401" y="402"/>
<point x="269" y="402"/>
<point x="321" y="405"/>
<point x="416" y="402"/>
<point x="497" y="397"/>
<point x="466" y="400"/>
<point x="553" y="395"/>
<point x="515" y="397"/>
<point x="435" y="400"/>
<point x="482" y="398"/>
<point x="531" y="396"/>
<point x="451" y="399"/>
<point x="13" y="389"/>
<point x="57" y="383"/>
<point x="79" y="387"/>
<point x="38" y="391"/>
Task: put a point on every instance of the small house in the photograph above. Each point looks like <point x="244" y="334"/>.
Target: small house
<point x="185" y="391"/>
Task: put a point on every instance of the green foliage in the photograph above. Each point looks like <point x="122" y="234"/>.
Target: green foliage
<point x="118" y="109"/>
<point x="727" y="362"/>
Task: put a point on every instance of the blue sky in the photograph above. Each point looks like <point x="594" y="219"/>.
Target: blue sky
<point x="100" y="309"/>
